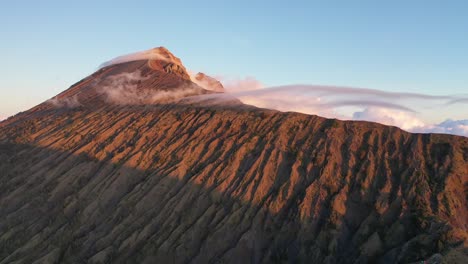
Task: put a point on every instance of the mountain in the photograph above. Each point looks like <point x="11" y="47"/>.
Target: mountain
<point x="123" y="167"/>
<point x="208" y="82"/>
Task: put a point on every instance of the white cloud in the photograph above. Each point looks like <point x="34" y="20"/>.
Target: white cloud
<point x="68" y="102"/>
<point x="409" y="121"/>
<point x="124" y="89"/>
<point x="391" y="117"/>
<point x="455" y="127"/>
<point x="151" y="54"/>
<point x="409" y="111"/>
<point x="239" y="84"/>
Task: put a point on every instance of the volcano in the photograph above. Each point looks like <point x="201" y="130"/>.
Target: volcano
<point x="123" y="167"/>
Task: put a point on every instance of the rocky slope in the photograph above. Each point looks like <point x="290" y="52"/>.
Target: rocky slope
<point x="208" y="82"/>
<point x="86" y="178"/>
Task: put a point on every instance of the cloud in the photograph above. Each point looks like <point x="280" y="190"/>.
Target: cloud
<point x="327" y="100"/>
<point x="408" y="121"/>
<point x="67" y="102"/>
<point x="125" y="89"/>
<point x="151" y="54"/>
<point x="457" y="101"/>
<point x="391" y="117"/>
<point x="234" y="85"/>
<point x="449" y="126"/>
<point x="408" y="111"/>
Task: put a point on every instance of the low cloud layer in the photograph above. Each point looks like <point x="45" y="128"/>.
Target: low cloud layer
<point x="67" y="102"/>
<point x="408" y="111"/>
<point x="234" y="85"/>
<point x="391" y="117"/>
<point x="449" y="126"/>
<point x="124" y="89"/>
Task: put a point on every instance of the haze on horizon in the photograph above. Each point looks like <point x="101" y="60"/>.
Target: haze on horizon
<point x="416" y="47"/>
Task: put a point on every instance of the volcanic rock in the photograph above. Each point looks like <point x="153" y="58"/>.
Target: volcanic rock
<point x="96" y="180"/>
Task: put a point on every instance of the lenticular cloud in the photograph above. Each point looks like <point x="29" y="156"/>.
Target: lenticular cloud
<point x="410" y="111"/>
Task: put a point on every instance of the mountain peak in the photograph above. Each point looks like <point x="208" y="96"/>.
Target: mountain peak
<point x="162" y="53"/>
<point x="208" y="82"/>
<point x="159" y="59"/>
<point x="155" y="54"/>
<point x="152" y="76"/>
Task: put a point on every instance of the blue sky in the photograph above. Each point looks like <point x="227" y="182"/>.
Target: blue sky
<point x="412" y="46"/>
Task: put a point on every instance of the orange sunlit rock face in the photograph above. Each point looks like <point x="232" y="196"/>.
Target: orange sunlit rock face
<point x="89" y="178"/>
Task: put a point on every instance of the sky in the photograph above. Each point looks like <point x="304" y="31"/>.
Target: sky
<point x="396" y="46"/>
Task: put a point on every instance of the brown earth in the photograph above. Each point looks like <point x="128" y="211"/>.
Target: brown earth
<point x="105" y="182"/>
<point x="208" y="82"/>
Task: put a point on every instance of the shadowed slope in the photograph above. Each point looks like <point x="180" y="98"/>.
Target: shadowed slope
<point x="198" y="184"/>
